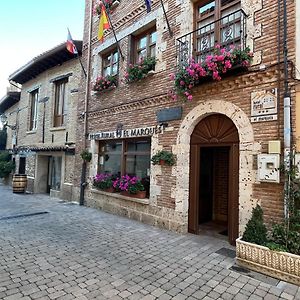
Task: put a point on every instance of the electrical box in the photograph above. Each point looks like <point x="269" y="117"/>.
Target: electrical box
<point x="274" y="147"/>
<point x="268" y="167"/>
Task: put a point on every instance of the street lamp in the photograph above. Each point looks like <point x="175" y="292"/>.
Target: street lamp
<point x="3" y="119"/>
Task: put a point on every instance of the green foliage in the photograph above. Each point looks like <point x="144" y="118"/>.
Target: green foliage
<point x="256" y="231"/>
<point x="3" y="138"/>
<point x="6" y="165"/>
<point x="86" y="155"/>
<point x="276" y="247"/>
<point x="140" y="70"/>
<point x="163" y="155"/>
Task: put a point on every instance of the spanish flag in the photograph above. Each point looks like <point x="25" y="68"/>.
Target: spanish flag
<point x="103" y="24"/>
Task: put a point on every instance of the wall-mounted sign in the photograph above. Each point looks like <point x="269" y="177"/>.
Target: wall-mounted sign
<point x="264" y="105"/>
<point x="126" y="133"/>
<point x="169" y="114"/>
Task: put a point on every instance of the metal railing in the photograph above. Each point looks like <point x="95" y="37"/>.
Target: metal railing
<point x="226" y="31"/>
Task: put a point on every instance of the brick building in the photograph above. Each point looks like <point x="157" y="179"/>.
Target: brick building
<point x="217" y="138"/>
<point x="43" y="118"/>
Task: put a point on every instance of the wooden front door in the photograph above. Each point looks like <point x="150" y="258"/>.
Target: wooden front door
<point x="214" y="139"/>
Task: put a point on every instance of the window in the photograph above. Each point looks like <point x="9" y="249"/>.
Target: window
<point x="110" y="63"/>
<point x="54" y="172"/>
<point x="130" y="157"/>
<point x="217" y="21"/>
<point x="145" y="45"/>
<point x="60" y="105"/>
<point x="33" y="109"/>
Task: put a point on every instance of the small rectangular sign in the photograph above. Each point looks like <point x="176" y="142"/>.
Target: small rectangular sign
<point x="264" y="118"/>
<point x="169" y="114"/>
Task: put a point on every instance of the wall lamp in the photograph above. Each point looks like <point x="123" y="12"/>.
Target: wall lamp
<point x="3" y="119"/>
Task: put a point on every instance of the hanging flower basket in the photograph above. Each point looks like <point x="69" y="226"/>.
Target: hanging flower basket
<point x="214" y="67"/>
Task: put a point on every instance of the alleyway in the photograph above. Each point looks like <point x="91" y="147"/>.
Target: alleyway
<point x="51" y="249"/>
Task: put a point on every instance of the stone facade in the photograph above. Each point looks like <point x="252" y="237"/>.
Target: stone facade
<point x="135" y="105"/>
<point x="45" y="142"/>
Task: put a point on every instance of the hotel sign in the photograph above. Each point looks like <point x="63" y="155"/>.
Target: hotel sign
<point x="126" y="133"/>
<point x="264" y="106"/>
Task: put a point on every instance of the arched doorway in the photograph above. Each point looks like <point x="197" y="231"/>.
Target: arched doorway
<point x="214" y="180"/>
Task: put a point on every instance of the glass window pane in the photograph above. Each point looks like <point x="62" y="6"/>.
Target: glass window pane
<point x="152" y="51"/>
<point x="115" y="57"/>
<point x="206" y="8"/>
<point x="106" y="71"/>
<point x="142" y="54"/>
<point x="55" y="172"/>
<point x="137" y="146"/>
<point x="142" y="42"/>
<point x="114" y="69"/>
<point x="153" y="37"/>
<point x="110" y="158"/>
<point x="138" y="165"/>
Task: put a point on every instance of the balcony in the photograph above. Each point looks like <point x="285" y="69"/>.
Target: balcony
<point x="226" y="31"/>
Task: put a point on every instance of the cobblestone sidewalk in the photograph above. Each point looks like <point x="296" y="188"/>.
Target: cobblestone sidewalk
<point x="55" y="250"/>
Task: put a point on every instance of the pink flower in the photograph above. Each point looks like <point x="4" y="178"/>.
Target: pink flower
<point x="181" y="82"/>
<point x="190" y="97"/>
<point x="217" y="46"/>
<point x="172" y="76"/>
<point x="228" y="64"/>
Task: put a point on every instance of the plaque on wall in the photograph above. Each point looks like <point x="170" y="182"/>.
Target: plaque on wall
<point x="264" y="105"/>
<point x="169" y="114"/>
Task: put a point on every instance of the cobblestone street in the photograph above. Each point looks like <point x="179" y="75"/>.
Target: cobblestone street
<point x="51" y="249"/>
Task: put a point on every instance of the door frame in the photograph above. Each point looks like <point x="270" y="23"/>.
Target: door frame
<point x="233" y="189"/>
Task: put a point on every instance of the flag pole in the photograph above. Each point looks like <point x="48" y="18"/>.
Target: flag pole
<point x="83" y="69"/>
<point x="167" y="20"/>
<point x="77" y="52"/>
<point x="113" y="30"/>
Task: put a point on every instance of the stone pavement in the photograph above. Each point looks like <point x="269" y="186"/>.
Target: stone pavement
<point x="74" y="252"/>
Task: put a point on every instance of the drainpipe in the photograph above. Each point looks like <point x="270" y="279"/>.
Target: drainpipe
<point x="86" y="101"/>
<point x="287" y="114"/>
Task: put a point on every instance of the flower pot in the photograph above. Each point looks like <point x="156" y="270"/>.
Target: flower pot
<point x="138" y="195"/>
<point x="282" y="265"/>
<point x="162" y="162"/>
<point x="109" y="190"/>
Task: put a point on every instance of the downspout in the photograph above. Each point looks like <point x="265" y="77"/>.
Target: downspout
<point x="287" y="115"/>
<point x="86" y="102"/>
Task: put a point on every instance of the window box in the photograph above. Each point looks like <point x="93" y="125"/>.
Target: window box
<point x="105" y="84"/>
<point x="282" y="265"/>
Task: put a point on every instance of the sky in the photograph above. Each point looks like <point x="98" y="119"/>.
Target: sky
<point x="31" y="27"/>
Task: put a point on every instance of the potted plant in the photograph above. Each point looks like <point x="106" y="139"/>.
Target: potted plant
<point x="278" y="255"/>
<point x="110" y="5"/>
<point x="140" y="70"/>
<point x="105" y="83"/>
<point x="104" y="181"/>
<point x="86" y="155"/>
<point x="214" y="66"/>
<point x="163" y="157"/>
<point x="6" y="165"/>
<point x="131" y="186"/>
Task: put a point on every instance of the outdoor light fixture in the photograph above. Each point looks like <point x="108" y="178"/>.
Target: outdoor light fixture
<point x="3" y="119"/>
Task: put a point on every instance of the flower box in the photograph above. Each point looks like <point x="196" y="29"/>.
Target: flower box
<point x="138" y="195"/>
<point x="282" y="265"/>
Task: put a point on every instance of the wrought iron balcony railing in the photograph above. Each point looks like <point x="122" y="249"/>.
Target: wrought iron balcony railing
<point x="226" y="31"/>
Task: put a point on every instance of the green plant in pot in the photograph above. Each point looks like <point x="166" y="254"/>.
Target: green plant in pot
<point x="86" y="155"/>
<point x="163" y="157"/>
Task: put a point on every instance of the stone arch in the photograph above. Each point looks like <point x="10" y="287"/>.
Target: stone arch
<point x="248" y="147"/>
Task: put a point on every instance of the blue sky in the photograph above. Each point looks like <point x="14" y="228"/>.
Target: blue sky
<point x="30" y="27"/>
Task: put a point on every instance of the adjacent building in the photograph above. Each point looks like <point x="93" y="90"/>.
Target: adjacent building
<point x="44" y="118"/>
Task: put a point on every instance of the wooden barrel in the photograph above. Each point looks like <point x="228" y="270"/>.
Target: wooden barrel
<point x="19" y="183"/>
